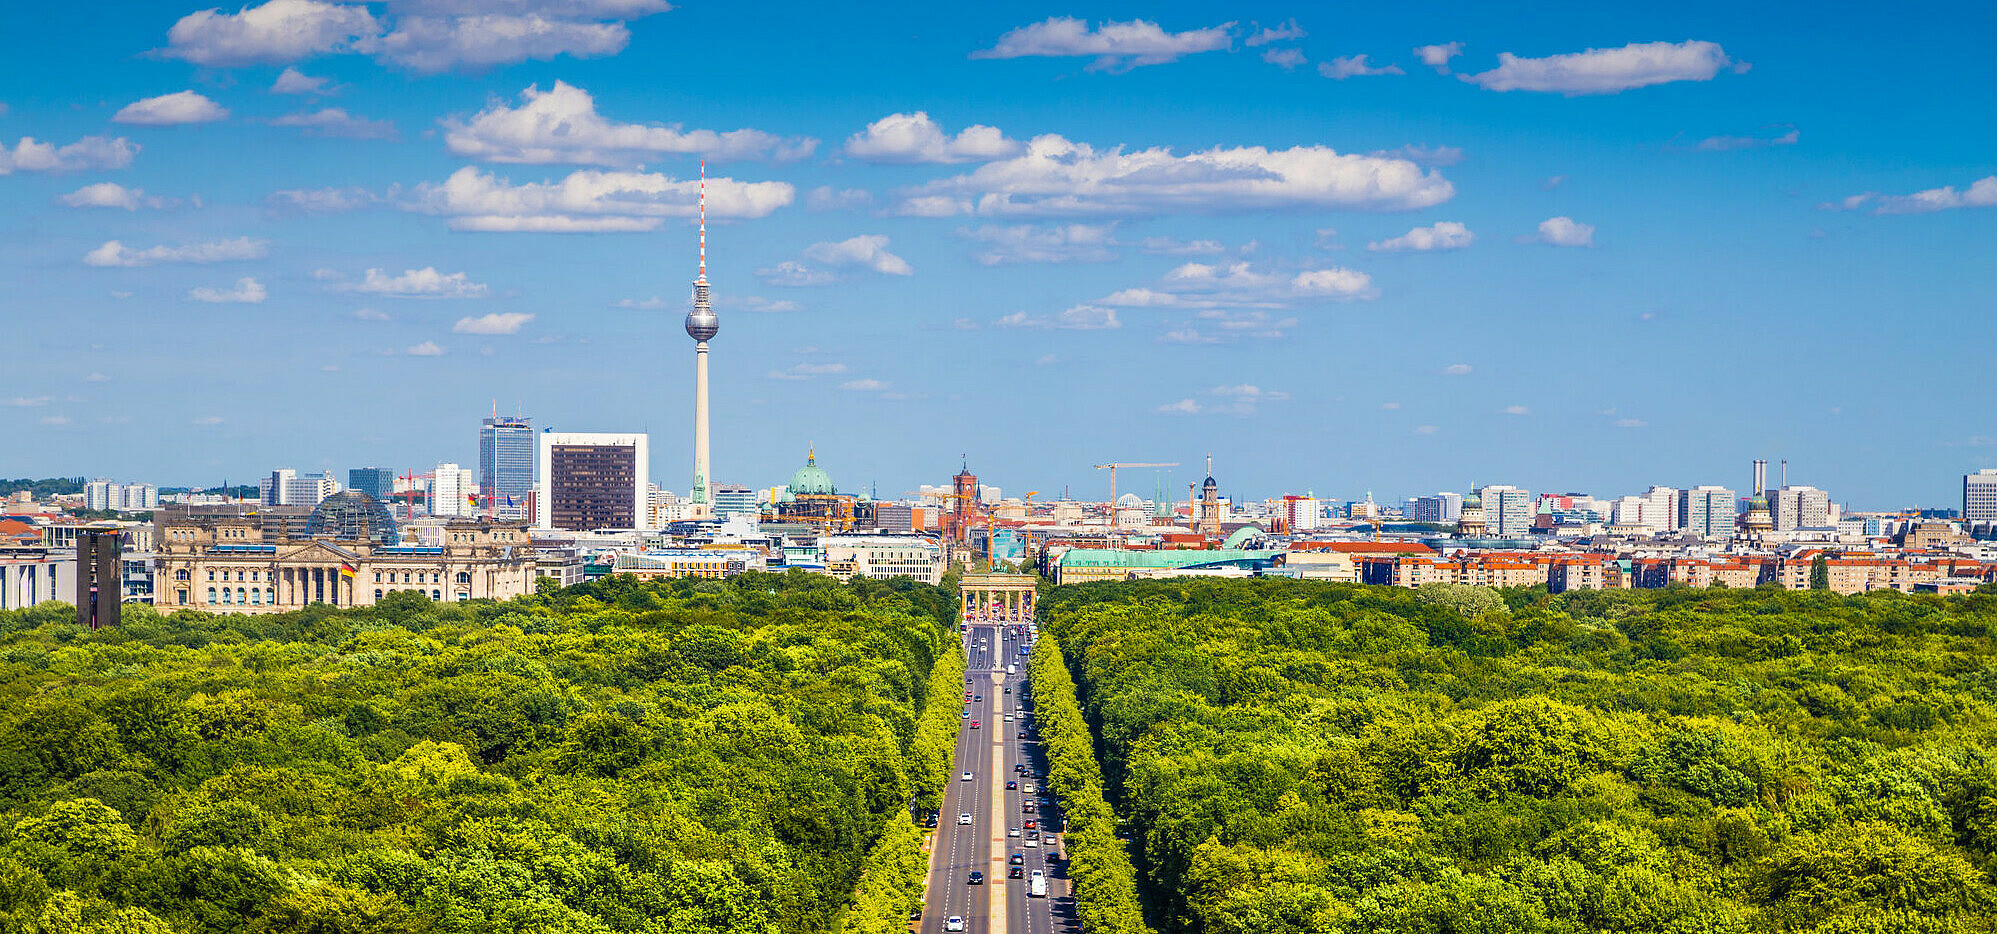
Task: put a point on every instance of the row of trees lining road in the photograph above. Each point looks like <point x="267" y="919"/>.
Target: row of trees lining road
<point x="1098" y="864"/>
<point x="683" y="757"/>
<point x="1315" y="757"/>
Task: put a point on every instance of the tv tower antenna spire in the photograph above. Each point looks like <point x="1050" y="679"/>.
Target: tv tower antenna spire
<point x="701" y="325"/>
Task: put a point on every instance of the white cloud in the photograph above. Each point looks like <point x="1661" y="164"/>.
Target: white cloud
<point x="799" y="371"/>
<point x="1354" y="66"/>
<point x="757" y="303"/>
<point x="1552" y="182"/>
<point x="1425" y="429"/>
<point x="1284" y="33"/>
<point x="1187" y="406"/>
<point x="1438" y="56"/>
<point x="246" y="291"/>
<point x="1242" y="285"/>
<point x="114" y="253"/>
<point x="369" y="314"/>
<point x="90" y="152"/>
<point x="589" y="200"/>
<point x="496" y="323"/>
<point x="908" y="138"/>
<point x="430" y="44"/>
<point x="1115" y="46"/>
<point x="55" y="420"/>
<point x="1057" y="177"/>
<point x="417" y="283"/>
<point x="1186" y="336"/>
<point x="320" y="200"/>
<point x="1390" y="406"/>
<point x="825" y="198"/>
<point x="1457" y="369"/>
<point x="293" y="81"/>
<point x="97" y="378"/>
<point x="561" y="125"/>
<point x="335" y="123"/>
<point x="171" y="110"/>
<point x="1083" y="317"/>
<point x="1727" y="143"/>
<point x="1563" y="231"/>
<point x="1169" y="246"/>
<point x="277" y="31"/>
<point x="1241" y="400"/>
<point x="1515" y="410"/>
<point x="1443" y="235"/>
<point x="425" y="349"/>
<point x="650" y="304"/>
<point x="1053" y="243"/>
<point x="1607" y="71"/>
<point x="1422" y="154"/>
<point x="1981" y="193"/>
<point x="1287" y="59"/>
<point x="1046" y="359"/>
<point x="110" y="195"/>
<point x="1631" y="423"/>
<point x="27" y="402"/>
<point x="863" y="385"/>
<point x="825" y="263"/>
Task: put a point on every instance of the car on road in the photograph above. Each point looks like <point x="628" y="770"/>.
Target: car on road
<point x="1011" y="785"/>
<point x="1032" y="825"/>
<point x="974" y="724"/>
<point x="1015" y="872"/>
<point x="1047" y="839"/>
<point x="953" y="923"/>
<point x="978" y="697"/>
<point x="1012" y="831"/>
<point x="1037" y="885"/>
<point x="1031" y="842"/>
<point x="1019" y="766"/>
<point x="977" y="878"/>
<point x="1018" y="859"/>
<point x="965" y="777"/>
<point x="964" y="818"/>
<point x="1028" y="788"/>
<point x="1028" y="807"/>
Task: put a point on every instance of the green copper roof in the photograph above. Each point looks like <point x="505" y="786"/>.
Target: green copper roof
<point x="811" y="479"/>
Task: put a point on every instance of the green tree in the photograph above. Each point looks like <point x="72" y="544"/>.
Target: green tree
<point x="1820" y="573"/>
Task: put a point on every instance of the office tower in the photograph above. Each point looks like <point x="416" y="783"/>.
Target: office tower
<point x="376" y="482"/>
<point x="1507" y="511"/>
<point x="272" y="490"/>
<point x="591" y="480"/>
<point x="505" y="465"/>
<point x="97" y="495"/>
<point x="701" y="325"/>
<point x="1440" y="507"/>
<point x="1799" y="507"/>
<point x="1302" y="513"/>
<point x="1979" y="496"/>
<point x="100" y="582"/>
<point x="452" y="492"/>
<point x="734" y="499"/>
<point x="287" y="487"/>
<point x="1706" y="511"/>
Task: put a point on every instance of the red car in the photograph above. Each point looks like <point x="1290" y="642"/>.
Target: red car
<point x="974" y="724"/>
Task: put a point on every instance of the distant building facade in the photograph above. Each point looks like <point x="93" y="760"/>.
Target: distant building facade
<point x="287" y="487"/>
<point x="1707" y="511"/>
<point x="1979" y="496"/>
<point x="592" y="480"/>
<point x="506" y="456"/>
<point x="1507" y="511"/>
<point x="377" y="482"/>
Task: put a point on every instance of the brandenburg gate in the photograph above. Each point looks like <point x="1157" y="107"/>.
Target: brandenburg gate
<point x="998" y="598"/>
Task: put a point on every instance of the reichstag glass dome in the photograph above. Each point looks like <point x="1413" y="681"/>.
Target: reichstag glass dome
<point x="351" y="516"/>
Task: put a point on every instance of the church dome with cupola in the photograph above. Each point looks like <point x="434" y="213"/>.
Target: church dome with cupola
<point x="811" y="479"/>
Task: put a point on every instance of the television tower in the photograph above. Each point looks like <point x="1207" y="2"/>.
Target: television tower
<point x="701" y="325"/>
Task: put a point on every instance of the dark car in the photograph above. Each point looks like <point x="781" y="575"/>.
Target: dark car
<point x="1009" y="786"/>
<point x="978" y="697"/>
<point x="1015" y="872"/>
<point x="1022" y="734"/>
<point x="977" y="878"/>
<point x="1019" y="859"/>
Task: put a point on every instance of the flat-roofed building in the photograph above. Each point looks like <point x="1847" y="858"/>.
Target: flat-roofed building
<point x="592" y="480"/>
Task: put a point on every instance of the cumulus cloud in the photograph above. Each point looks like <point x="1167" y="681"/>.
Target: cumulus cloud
<point x="27" y="401"/>
<point x="246" y="291"/>
<point x="416" y="283"/>
<point x="1631" y="423"/>
<point x="1242" y="285"/>
<point x="369" y="314"/>
<point x="1029" y="243"/>
<point x="1116" y="47"/>
<point x="1728" y="143"/>
<point x="496" y="323"/>
<point x="110" y="195"/>
<point x="1287" y="59"/>
<point x="278" y="31"/>
<point x="907" y="138"/>
<point x="335" y="123"/>
<point x="1423" y="154"/>
<point x="589" y="201"/>
<point x="1354" y="66"/>
<point x="561" y="125"/>
<point x="863" y="385"/>
<point x="1981" y="193"/>
<point x="1438" y="56"/>
<point x="430" y="44"/>
<point x="797" y="371"/>
<point x="320" y="200"/>
<point x="757" y="303"/>
<point x="1057" y="177"/>
<point x="1607" y="71"/>
<point x="171" y="110"/>
<point x="425" y="349"/>
<point x="832" y="261"/>
<point x="825" y="198"/>
<point x="293" y="81"/>
<point x="650" y="304"/>
<point x="1171" y="246"/>
<point x="1241" y="399"/>
<point x="1457" y="369"/>
<point x="1563" y="231"/>
<point x="114" y="253"/>
<point x="1084" y="317"/>
<point x="1186" y="406"/>
<point x="1515" y="410"/>
<point x="1443" y="235"/>
<point x="90" y="152"/>
<point x="1284" y="33"/>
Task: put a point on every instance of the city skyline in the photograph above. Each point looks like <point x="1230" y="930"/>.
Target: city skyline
<point x="1577" y="249"/>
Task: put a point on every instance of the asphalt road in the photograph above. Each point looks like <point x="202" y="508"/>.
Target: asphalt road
<point x="991" y="753"/>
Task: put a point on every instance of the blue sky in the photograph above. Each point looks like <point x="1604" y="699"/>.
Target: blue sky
<point x="1574" y="247"/>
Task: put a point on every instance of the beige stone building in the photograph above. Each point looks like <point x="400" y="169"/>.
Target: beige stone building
<point x="232" y="561"/>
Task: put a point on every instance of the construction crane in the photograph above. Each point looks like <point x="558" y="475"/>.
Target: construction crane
<point x="1112" y="468"/>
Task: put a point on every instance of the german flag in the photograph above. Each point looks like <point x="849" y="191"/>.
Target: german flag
<point x="347" y="570"/>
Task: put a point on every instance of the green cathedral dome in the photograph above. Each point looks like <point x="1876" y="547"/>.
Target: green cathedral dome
<point x="811" y="479"/>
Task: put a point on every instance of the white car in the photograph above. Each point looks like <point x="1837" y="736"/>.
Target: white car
<point x="1032" y="842"/>
<point x="1008" y="718"/>
<point x="965" y="778"/>
<point x="964" y="818"/>
<point x="1027" y="788"/>
<point x="953" y="923"/>
<point x="1012" y="831"/>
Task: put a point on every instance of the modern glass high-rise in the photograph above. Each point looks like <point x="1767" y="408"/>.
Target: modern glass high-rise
<point x="506" y="453"/>
<point x="377" y="482"/>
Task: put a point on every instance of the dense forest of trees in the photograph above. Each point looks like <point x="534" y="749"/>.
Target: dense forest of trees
<point x="1314" y="757"/>
<point x="44" y="488"/>
<point x="693" y="758"/>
